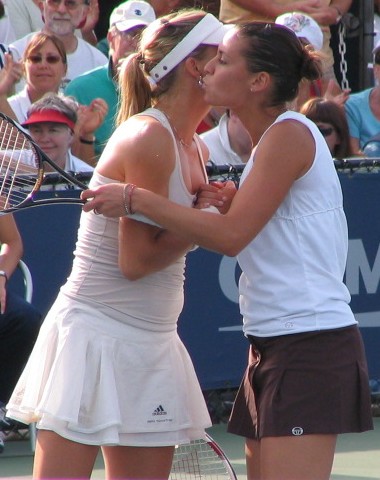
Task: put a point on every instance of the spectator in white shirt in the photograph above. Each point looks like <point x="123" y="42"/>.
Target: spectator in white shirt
<point x="228" y="142"/>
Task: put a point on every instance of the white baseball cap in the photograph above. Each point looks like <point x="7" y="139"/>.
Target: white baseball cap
<point x="130" y="14"/>
<point x="303" y="26"/>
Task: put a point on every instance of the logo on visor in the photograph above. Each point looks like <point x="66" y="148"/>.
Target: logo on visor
<point x="138" y="12"/>
<point x="297" y="431"/>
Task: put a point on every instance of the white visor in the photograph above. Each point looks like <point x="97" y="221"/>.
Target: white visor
<point x="209" y="31"/>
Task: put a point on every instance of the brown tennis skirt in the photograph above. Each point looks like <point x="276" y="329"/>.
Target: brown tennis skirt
<point x="302" y="384"/>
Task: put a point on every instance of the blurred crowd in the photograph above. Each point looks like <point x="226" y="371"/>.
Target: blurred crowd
<point x="74" y="48"/>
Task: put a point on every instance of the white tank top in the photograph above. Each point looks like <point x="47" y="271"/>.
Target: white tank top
<point x="153" y="302"/>
<point x="292" y="278"/>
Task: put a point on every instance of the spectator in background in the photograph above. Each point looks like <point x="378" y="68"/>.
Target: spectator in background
<point x="363" y="109"/>
<point x="3" y="50"/>
<point x="26" y="18"/>
<point x="19" y="320"/>
<point x="51" y="122"/>
<point x="331" y="120"/>
<point x="61" y="19"/>
<point x="310" y="33"/>
<point x="229" y="142"/>
<point x="7" y="34"/>
<point x="324" y="12"/>
<point x="126" y="23"/>
<point x="376" y="19"/>
<point x="44" y="66"/>
<point x="160" y="7"/>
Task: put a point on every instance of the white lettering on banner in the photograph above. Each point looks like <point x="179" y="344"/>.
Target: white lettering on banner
<point x="357" y="265"/>
<point x="227" y="278"/>
<point x="229" y="287"/>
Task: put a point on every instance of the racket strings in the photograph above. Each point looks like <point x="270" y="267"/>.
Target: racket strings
<point x="199" y="460"/>
<point x="19" y="166"/>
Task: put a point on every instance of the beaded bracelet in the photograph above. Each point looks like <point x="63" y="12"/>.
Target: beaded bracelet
<point x="127" y="197"/>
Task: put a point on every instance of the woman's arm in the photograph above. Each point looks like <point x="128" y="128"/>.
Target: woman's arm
<point x="141" y="151"/>
<point x="11" y="251"/>
<point x="9" y="76"/>
<point x="277" y="165"/>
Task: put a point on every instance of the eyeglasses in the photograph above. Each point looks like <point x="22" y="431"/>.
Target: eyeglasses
<point x="52" y="59"/>
<point x="326" y="131"/>
<point x="69" y="4"/>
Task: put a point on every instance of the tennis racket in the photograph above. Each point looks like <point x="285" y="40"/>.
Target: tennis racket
<point x="201" y="459"/>
<point x="22" y="170"/>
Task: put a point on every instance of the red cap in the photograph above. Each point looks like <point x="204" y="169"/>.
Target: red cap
<point x="48" y="116"/>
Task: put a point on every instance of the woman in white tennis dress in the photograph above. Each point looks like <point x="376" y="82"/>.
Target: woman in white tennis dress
<point x="109" y="368"/>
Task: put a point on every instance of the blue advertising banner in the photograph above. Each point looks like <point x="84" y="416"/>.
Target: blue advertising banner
<point x="210" y="324"/>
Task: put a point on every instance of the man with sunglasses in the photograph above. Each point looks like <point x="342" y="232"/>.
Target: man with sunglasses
<point x="25" y="17"/>
<point x="62" y="18"/>
<point x="126" y="23"/>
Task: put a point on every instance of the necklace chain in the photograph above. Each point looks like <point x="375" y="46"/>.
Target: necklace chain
<point x="176" y="134"/>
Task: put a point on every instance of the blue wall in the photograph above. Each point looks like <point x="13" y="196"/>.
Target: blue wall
<point x="210" y="324"/>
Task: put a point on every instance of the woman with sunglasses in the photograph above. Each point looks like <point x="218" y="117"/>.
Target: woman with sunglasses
<point x="44" y="66"/>
<point x="331" y="120"/>
<point x="307" y="378"/>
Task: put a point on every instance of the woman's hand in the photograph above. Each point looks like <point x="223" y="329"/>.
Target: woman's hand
<point x="9" y="75"/>
<point x="91" y="20"/>
<point x="107" y="200"/>
<point x="91" y="117"/>
<point x="216" y="194"/>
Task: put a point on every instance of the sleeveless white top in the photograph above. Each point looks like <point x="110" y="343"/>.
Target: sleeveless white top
<point x="97" y="279"/>
<point x="292" y="278"/>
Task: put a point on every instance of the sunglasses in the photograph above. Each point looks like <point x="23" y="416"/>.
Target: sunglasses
<point x="326" y="131"/>
<point x="69" y="4"/>
<point x="52" y="59"/>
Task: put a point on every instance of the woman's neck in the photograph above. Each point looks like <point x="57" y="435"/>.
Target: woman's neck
<point x="34" y="94"/>
<point x="258" y="120"/>
<point x="185" y="120"/>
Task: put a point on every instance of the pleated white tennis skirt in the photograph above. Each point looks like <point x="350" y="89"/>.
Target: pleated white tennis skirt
<point x="99" y="381"/>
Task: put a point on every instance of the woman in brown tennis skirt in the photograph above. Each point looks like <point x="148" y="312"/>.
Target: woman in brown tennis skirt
<point x="307" y="379"/>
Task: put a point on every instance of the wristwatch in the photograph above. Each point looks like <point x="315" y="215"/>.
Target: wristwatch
<point x="3" y="274"/>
